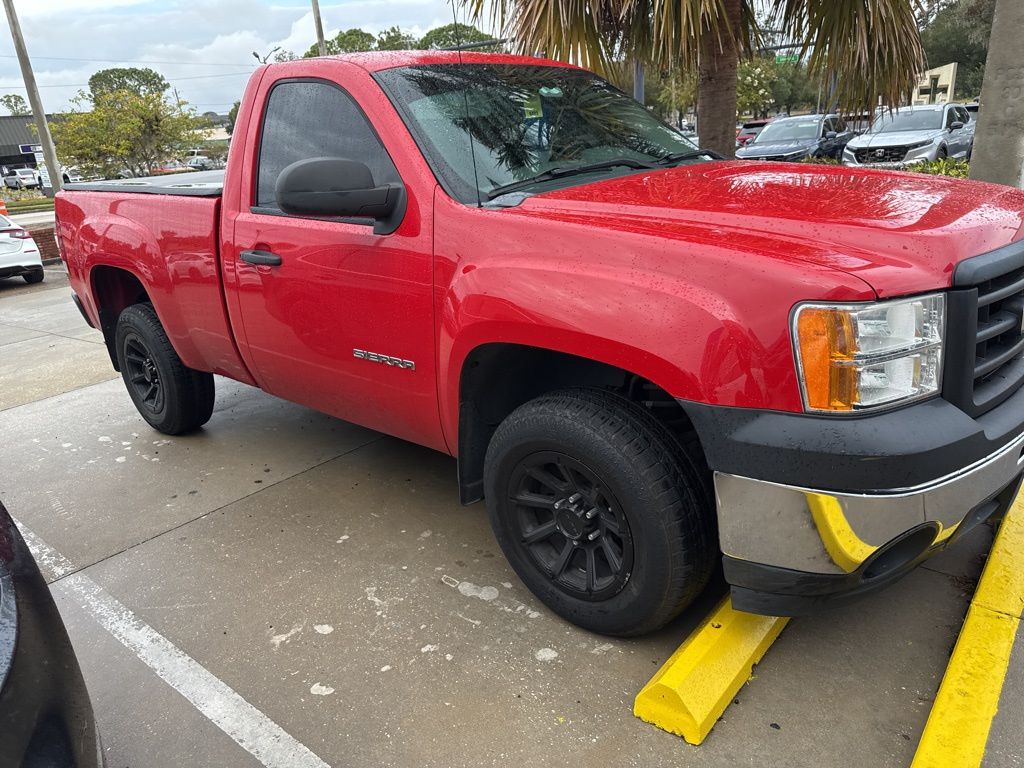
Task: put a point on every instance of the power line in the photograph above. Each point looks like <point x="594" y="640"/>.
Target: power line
<point x="127" y="61"/>
<point x="85" y="85"/>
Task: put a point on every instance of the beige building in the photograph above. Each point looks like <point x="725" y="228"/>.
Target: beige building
<point x="935" y="86"/>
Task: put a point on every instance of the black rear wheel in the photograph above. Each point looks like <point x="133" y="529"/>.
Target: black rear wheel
<point x="33" y="277"/>
<point x="172" y="397"/>
<point x="600" y="511"/>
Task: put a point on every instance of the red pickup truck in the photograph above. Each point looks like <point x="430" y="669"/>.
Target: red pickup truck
<point x="646" y="359"/>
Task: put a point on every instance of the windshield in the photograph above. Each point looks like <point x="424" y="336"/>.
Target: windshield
<point x="908" y="120"/>
<point x="788" y="130"/>
<point x="523" y="121"/>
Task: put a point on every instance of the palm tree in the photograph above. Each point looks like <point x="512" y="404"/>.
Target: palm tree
<point x="869" y="49"/>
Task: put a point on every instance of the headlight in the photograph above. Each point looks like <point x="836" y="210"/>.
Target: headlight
<point x="854" y="357"/>
<point x="919" y="144"/>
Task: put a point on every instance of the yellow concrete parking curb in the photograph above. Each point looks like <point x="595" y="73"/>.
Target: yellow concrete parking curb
<point x="692" y="689"/>
<point x="957" y="729"/>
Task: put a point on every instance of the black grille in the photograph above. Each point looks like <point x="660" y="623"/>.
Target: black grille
<point x="988" y="316"/>
<point x="880" y="154"/>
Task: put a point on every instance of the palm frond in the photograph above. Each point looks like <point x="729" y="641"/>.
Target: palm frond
<point x="868" y="48"/>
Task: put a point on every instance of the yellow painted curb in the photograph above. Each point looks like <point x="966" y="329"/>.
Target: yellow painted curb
<point x="692" y="689"/>
<point x="957" y="729"/>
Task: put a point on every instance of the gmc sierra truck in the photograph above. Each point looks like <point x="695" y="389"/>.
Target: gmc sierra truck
<point x="649" y="361"/>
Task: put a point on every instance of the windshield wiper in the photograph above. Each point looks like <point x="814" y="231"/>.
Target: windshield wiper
<point x="678" y="157"/>
<point x="572" y="170"/>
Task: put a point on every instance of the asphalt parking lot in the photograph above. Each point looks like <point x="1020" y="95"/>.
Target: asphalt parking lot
<point x="327" y="576"/>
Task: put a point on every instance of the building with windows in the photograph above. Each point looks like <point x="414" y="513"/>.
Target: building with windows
<point x="14" y="131"/>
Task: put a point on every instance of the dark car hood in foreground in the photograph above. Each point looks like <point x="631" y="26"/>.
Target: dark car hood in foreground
<point x="899" y="232"/>
<point x="45" y="714"/>
<point x="775" y="149"/>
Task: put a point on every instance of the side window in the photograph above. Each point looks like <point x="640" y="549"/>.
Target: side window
<point x="950" y="116"/>
<point x="963" y="115"/>
<point x="840" y="125"/>
<point x="305" y="119"/>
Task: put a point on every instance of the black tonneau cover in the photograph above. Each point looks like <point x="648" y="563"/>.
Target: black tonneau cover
<point x="196" y="184"/>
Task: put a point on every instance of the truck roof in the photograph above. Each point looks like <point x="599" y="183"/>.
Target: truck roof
<point x="376" y="61"/>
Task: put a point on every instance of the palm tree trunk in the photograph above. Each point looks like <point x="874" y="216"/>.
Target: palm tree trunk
<point x="716" y="84"/>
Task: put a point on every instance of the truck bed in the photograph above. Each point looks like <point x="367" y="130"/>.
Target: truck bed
<point x="194" y="184"/>
<point x="171" y="248"/>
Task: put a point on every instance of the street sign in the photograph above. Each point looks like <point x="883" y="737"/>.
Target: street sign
<point x="787" y="58"/>
<point x="30" y="149"/>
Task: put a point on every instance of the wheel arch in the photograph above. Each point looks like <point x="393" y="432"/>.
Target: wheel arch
<point x="113" y="290"/>
<point x="487" y="394"/>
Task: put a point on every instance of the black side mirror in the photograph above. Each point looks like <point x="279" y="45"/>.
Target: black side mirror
<point x="956" y="125"/>
<point x="830" y="135"/>
<point x="334" y="186"/>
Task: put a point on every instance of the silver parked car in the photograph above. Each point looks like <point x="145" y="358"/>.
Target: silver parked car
<point x="913" y="135"/>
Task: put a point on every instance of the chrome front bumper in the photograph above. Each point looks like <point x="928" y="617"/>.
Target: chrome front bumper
<point x="831" y="532"/>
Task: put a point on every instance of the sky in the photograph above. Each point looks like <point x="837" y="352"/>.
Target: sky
<point x="204" y="48"/>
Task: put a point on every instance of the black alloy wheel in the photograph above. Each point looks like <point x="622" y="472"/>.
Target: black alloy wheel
<point x="571" y="525"/>
<point x="143" y="377"/>
<point x="604" y="514"/>
<point x="172" y="397"/>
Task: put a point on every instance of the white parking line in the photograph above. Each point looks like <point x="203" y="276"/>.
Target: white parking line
<point x="247" y="726"/>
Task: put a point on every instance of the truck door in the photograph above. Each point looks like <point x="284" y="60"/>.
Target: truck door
<point x="333" y="316"/>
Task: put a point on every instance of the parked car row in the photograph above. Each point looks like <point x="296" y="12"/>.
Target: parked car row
<point x="796" y="138"/>
<point x="31" y="178"/>
<point x="896" y="138"/>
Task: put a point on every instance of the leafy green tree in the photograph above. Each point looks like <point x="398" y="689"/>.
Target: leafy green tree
<point x="15" y="104"/>
<point x="347" y="41"/>
<point x="452" y="35"/>
<point x="139" y="80"/>
<point x="792" y="87"/>
<point x="232" y="117"/>
<point x="960" y="32"/>
<point x="755" y="79"/>
<point x="120" y="131"/>
<point x="394" y="39"/>
<point x="675" y="92"/>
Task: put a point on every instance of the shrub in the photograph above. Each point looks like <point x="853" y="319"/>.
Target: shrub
<point x="957" y="169"/>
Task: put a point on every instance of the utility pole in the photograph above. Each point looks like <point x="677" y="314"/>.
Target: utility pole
<point x="49" y="152"/>
<point x="319" y="28"/>
<point x="998" y="153"/>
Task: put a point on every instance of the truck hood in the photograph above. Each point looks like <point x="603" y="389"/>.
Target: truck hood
<point x="899" y="232"/>
<point x="895" y="138"/>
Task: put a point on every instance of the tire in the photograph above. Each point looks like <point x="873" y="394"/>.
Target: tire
<point x="34" y="277"/>
<point x="171" y="397"/>
<point x="942" y="154"/>
<point x="643" y="502"/>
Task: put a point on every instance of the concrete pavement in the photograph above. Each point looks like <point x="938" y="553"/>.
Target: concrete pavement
<point x="328" y="575"/>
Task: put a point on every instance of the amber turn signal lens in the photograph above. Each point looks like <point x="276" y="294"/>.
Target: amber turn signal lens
<point x="826" y="337"/>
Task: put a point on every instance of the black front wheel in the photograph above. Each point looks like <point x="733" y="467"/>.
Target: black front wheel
<point x="600" y="511"/>
<point x="172" y="397"/>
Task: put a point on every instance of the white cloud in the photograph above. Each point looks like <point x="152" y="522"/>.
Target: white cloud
<point x="201" y="47"/>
